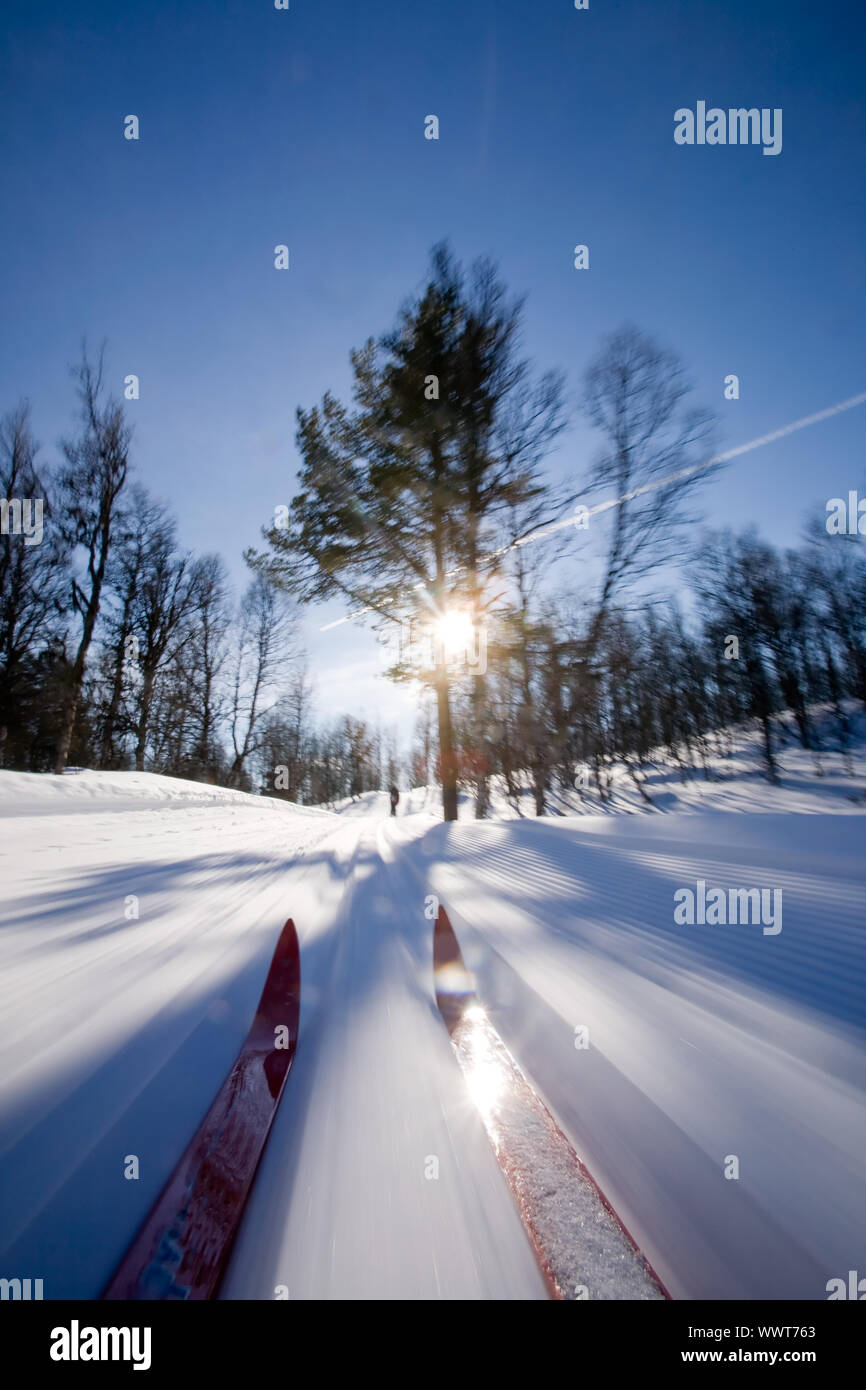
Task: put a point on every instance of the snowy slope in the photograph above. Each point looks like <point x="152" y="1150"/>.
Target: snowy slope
<point x="731" y="777"/>
<point x="705" y="1042"/>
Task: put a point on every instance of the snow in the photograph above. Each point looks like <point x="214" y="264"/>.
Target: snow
<point x="705" y="1042"/>
<point x="29" y="793"/>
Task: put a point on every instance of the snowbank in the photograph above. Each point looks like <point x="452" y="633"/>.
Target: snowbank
<point x="33" y="794"/>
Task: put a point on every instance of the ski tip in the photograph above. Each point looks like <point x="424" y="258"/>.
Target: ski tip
<point x="454" y="984"/>
<point x="283" y="984"/>
<point x="288" y="949"/>
<point x="445" y="945"/>
<point x="288" y="943"/>
<point x="280" y="1004"/>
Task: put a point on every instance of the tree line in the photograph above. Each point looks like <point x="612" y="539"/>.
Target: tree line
<point x="430" y="494"/>
<point x="569" y="701"/>
<point x="121" y="650"/>
<point x="429" y="498"/>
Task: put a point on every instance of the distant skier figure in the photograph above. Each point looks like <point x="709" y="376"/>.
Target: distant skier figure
<point x="395" y="797"/>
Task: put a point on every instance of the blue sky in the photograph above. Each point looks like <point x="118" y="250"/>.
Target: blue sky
<point x="306" y="127"/>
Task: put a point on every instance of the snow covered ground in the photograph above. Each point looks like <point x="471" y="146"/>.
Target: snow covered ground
<point x="706" y="1043"/>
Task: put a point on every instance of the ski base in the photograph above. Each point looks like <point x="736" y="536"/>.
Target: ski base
<point x="581" y="1246"/>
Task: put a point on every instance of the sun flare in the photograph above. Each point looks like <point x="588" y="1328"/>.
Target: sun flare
<point x="455" y="631"/>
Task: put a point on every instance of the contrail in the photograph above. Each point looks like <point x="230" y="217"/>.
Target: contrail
<point x="662" y="482"/>
<point x="697" y="468"/>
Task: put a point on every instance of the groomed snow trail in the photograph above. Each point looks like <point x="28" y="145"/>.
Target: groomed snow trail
<point x="378" y="1180"/>
<point x="117" y="1033"/>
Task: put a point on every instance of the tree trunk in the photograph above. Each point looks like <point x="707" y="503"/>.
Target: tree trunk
<point x="70" y="705"/>
<point x="143" y="719"/>
<point x="769" y="756"/>
<point x="447" y="755"/>
<point x="70" y="709"/>
<point x="203" y="754"/>
<point x="482" y="785"/>
<point x="107" y="754"/>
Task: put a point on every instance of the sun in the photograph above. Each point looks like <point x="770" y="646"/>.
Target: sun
<point x="455" y="632"/>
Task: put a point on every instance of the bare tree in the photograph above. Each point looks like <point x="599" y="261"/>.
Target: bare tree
<point x="267" y="642"/>
<point x="536" y="732"/>
<point x="123" y="576"/>
<point x="287" y="740"/>
<point x="31" y="575"/>
<point x="654" y="455"/>
<point x="732" y="575"/>
<point x="90" y="486"/>
<point x="165" y="599"/>
<point x="837" y="571"/>
<point x="422" y="748"/>
<point x="209" y="652"/>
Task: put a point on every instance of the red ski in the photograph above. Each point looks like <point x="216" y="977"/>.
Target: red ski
<point x="581" y="1246"/>
<point x="183" y="1247"/>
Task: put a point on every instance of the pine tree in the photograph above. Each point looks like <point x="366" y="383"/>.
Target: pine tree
<point x="400" y="494"/>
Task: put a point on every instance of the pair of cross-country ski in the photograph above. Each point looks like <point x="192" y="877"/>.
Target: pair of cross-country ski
<point x="183" y="1247"/>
